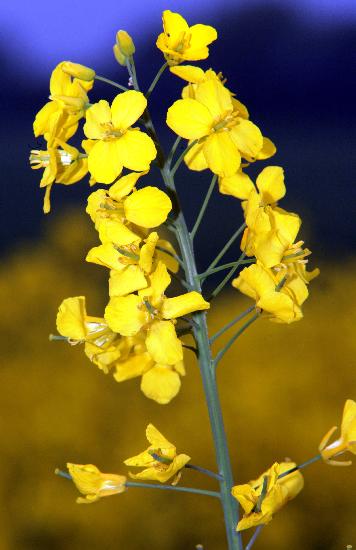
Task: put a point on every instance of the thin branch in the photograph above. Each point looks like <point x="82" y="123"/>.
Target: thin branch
<point x="173" y="488"/>
<point x="204" y="206"/>
<point x="173" y="150"/>
<point x="156" y="79"/>
<point x="234" y="338"/>
<point x="231" y="324"/>
<point x="206" y="274"/>
<point x="300" y="466"/>
<point x="254" y="537"/>
<point x="227" y="246"/>
<point x="111" y="82"/>
<point x="181" y="157"/>
<point x="227" y="278"/>
<point x="177" y="258"/>
<point x="204" y="471"/>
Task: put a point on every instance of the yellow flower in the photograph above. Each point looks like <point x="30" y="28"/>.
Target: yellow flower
<point x="347" y="439"/>
<point x="94" y="484"/>
<point x="62" y="163"/>
<point x="224" y="134"/>
<point x="179" y="42"/>
<point x="160" y="461"/>
<point x="127" y="315"/>
<point x="283" y="305"/>
<point x="263" y="497"/>
<point x="69" y="85"/>
<point x="117" y="144"/>
<point x="102" y="346"/>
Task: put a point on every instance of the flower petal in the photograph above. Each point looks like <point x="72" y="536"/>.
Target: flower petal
<point x="221" y="154"/>
<point x="183" y="304"/>
<point x="136" y="150"/>
<point x="126" y="108"/>
<point x="125" y="315"/>
<point x="163" y="344"/>
<point x="214" y="96"/>
<point x="96" y="116"/>
<point x="124" y="185"/>
<point x="189" y="119"/>
<point x="136" y="365"/>
<point x="270" y="183"/>
<point x="104" y="161"/>
<point x="126" y="281"/>
<point x="71" y="318"/>
<point x="160" y="384"/>
<point x="247" y="138"/>
<point x="148" y="207"/>
<point x="238" y="185"/>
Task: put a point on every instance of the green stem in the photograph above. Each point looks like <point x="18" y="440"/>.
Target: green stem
<point x="132" y="71"/>
<point x="254" y="537"/>
<point x="234" y="338"/>
<point x="173" y="150"/>
<point x="156" y="79"/>
<point x="176" y="258"/>
<point x="231" y="324"/>
<point x="227" y="277"/>
<point x="300" y="466"/>
<point x="204" y="206"/>
<point x="209" y="380"/>
<point x="227" y="246"/>
<point x="203" y="471"/>
<point x="206" y="274"/>
<point x="111" y="82"/>
<point x="181" y="157"/>
<point x="173" y="488"/>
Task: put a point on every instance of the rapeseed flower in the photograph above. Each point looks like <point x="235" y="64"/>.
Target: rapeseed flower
<point x="179" y="42"/>
<point x="224" y="134"/>
<point x="263" y="497"/>
<point x="94" y="484"/>
<point x="347" y="439"/>
<point x="280" y="305"/>
<point x="117" y="144"/>
<point x="160" y="460"/>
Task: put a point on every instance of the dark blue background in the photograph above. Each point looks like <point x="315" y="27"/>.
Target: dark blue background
<point x="293" y="67"/>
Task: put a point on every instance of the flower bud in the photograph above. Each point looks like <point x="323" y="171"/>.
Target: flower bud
<point x="120" y="58"/>
<point x="125" y="43"/>
<point x="78" y="71"/>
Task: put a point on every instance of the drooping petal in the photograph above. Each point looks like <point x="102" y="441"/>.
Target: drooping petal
<point x="114" y="231"/>
<point x="270" y="183"/>
<point x="188" y="73"/>
<point x="195" y="158"/>
<point x="254" y="281"/>
<point x="189" y="119"/>
<point x="125" y="315"/>
<point x="124" y="185"/>
<point x="148" y="207"/>
<point x="221" y="154"/>
<point x="183" y="304"/>
<point x="105" y="255"/>
<point x="160" y="384"/>
<point x="247" y="138"/>
<point x="135" y="365"/>
<point x="163" y="344"/>
<point x="159" y="281"/>
<point x="147" y="251"/>
<point x="238" y="185"/>
<point x="126" y="108"/>
<point x="281" y="306"/>
<point x="71" y="318"/>
<point x="201" y="36"/>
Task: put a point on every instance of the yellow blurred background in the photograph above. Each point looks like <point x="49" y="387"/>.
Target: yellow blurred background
<point x="282" y="388"/>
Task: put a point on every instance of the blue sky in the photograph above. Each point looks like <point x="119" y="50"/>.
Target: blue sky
<point x="37" y="34"/>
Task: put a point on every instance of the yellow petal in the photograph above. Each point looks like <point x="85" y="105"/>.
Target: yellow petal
<point x="148" y="207"/>
<point x="126" y="108"/>
<point x="157" y="440"/>
<point x="124" y="185"/>
<point x="189" y="119"/>
<point x="247" y="138"/>
<point x="270" y="183"/>
<point x="268" y="149"/>
<point x="280" y="306"/>
<point x="160" y="384"/>
<point x="163" y="254"/>
<point x="163" y="344"/>
<point x="181" y="305"/>
<point x="105" y="255"/>
<point x="125" y="315"/>
<point x="221" y="154"/>
<point x="147" y="251"/>
<point x="173" y="25"/>
<point x="136" y="150"/>
<point x="254" y="281"/>
<point x="201" y="35"/>
<point x="71" y="318"/>
<point x="135" y="365"/>
<point x="96" y="117"/>
<point x="195" y="158"/>
<point x="114" y="231"/>
<point x="238" y="185"/>
<point x="214" y="96"/>
<point x="126" y="281"/>
<point x="188" y="73"/>
<point x="104" y="161"/>
<point x="159" y="281"/>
